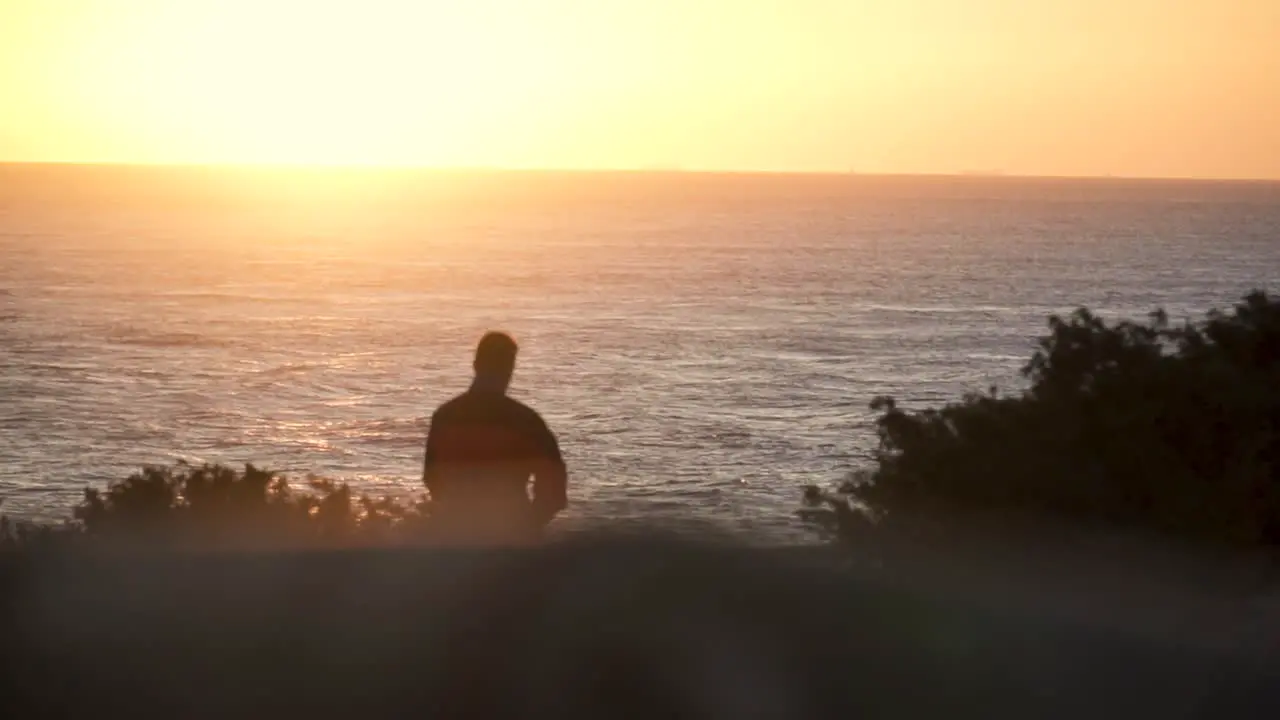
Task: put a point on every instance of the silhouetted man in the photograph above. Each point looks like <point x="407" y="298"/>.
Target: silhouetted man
<point x="482" y="449"/>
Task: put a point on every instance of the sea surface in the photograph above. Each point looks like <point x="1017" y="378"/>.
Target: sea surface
<point x="703" y="345"/>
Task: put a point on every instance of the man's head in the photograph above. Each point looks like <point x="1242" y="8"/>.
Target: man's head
<point x="496" y="359"/>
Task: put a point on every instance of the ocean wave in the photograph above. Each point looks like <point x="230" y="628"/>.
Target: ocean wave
<point x="386" y="432"/>
<point x="993" y="310"/>
<point x="211" y="296"/>
<point x="291" y="368"/>
<point x="142" y="337"/>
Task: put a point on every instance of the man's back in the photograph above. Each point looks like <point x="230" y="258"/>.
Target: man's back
<point x="482" y="449"/>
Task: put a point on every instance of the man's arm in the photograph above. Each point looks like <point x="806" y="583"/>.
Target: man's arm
<point x="550" y="476"/>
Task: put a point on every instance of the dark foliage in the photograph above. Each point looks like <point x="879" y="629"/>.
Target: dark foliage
<point x="218" y="506"/>
<point x="1171" y="428"/>
<point x="16" y="534"/>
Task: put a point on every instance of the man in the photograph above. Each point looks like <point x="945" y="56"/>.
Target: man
<point x="482" y="449"/>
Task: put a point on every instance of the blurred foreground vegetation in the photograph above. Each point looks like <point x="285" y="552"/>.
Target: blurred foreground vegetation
<point x="1173" y="428"/>
<point x="1152" y="425"/>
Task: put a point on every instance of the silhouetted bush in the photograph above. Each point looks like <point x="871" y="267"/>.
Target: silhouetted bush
<point x="217" y="506"/>
<point x="1172" y="428"/>
<point x="16" y="534"/>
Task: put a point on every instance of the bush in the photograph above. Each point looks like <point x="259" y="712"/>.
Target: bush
<point x="217" y="506"/>
<point x="1172" y="428"/>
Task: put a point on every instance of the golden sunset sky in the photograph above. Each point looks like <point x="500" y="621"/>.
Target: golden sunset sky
<point x="1186" y="88"/>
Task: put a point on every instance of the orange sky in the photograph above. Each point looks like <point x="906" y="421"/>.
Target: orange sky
<point x="1187" y="88"/>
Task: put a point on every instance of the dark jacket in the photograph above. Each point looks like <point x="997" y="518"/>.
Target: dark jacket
<point x="482" y="449"/>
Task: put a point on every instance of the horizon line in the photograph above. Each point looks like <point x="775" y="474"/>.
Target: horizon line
<point x="654" y="170"/>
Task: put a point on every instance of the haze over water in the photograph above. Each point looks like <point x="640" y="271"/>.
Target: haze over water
<point x="702" y="344"/>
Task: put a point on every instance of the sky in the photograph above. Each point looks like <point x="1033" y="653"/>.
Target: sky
<point x="1139" y="88"/>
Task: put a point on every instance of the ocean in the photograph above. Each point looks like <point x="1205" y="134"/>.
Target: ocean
<point x="703" y="345"/>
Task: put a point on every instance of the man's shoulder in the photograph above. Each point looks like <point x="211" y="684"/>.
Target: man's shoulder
<point x="451" y="405"/>
<point x="522" y="411"/>
<point x="468" y="402"/>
